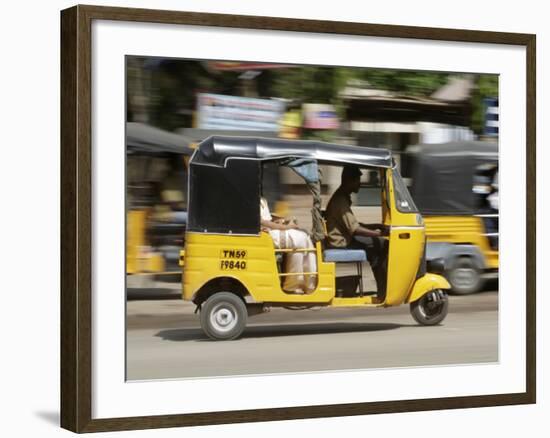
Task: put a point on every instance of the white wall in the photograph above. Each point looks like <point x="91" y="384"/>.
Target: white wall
<point x="29" y="169"/>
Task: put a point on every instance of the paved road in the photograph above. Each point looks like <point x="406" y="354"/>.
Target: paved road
<point x="164" y="339"/>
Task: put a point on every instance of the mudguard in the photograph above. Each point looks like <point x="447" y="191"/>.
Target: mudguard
<point x="425" y="284"/>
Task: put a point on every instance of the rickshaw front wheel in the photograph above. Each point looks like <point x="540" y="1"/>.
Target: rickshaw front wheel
<point x="431" y="309"/>
<point x="223" y="316"/>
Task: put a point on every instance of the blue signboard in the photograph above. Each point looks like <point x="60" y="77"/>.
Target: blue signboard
<point x="217" y="111"/>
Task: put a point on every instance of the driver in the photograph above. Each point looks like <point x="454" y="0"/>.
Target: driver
<point x="345" y="231"/>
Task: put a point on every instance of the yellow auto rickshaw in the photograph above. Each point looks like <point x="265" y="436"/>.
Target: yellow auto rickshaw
<point x="156" y="178"/>
<point x="453" y="185"/>
<point x="231" y="267"/>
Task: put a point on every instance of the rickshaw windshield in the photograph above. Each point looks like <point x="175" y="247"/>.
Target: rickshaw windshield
<point x="403" y="200"/>
<point x="307" y="168"/>
<point x="385" y="190"/>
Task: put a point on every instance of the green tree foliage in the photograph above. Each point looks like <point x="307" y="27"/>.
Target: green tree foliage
<point x="322" y="84"/>
<point x="411" y="83"/>
<point x="306" y="84"/>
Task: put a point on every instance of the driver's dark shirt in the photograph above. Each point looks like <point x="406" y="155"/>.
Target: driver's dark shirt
<point x="341" y="222"/>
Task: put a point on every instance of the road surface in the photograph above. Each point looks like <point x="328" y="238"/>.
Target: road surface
<point x="164" y="339"/>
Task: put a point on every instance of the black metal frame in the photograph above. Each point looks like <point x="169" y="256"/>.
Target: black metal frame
<point x="76" y="218"/>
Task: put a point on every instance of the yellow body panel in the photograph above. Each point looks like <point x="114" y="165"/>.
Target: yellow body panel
<point x="135" y="239"/>
<point x="139" y="261"/>
<point x="426" y="284"/>
<point x="405" y="249"/>
<point x="404" y="259"/>
<point x="154" y="263"/>
<point x="206" y="260"/>
<point x="461" y="229"/>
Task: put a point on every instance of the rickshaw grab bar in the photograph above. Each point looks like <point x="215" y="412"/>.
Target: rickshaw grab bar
<point x="296" y="250"/>
<point x="286" y="274"/>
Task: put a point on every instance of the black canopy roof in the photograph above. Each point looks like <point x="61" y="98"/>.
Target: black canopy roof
<point x="216" y="150"/>
<point x="460" y="150"/>
<point x="443" y="175"/>
<point x="144" y="138"/>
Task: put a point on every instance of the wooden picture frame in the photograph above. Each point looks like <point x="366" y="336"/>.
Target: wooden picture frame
<point x="76" y="217"/>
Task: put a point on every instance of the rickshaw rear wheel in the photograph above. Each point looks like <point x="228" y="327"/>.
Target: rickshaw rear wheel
<point x="223" y="316"/>
<point x="431" y="309"/>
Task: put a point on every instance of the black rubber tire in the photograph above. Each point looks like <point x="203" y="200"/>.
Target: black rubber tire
<point x="465" y="286"/>
<point x="424" y="314"/>
<point x="223" y="308"/>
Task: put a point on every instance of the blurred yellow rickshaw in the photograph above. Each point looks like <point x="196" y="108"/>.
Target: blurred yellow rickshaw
<point x="156" y="178"/>
<point x="452" y="184"/>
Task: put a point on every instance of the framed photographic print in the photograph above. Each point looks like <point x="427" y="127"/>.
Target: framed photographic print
<point x="313" y="218"/>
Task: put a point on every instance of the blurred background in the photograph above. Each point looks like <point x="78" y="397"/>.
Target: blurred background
<point x="441" y="127"/>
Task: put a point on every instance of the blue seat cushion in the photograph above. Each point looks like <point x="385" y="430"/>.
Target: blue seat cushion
<point x="344" y="255"/>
